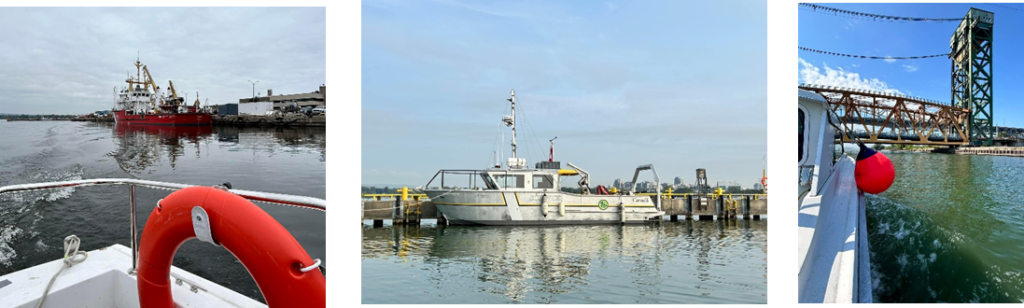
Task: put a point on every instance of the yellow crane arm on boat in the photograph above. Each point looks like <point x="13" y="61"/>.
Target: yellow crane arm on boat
<point x="150" y="82"/>
<point x="567" y="172"/>
<point x="174" y="94"/>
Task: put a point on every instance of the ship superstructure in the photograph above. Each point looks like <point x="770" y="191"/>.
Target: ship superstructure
<point x="144" y="103"/>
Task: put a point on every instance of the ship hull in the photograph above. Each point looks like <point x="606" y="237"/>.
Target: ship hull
<point x="167" y="119"/>
<point x="527" y="208"/>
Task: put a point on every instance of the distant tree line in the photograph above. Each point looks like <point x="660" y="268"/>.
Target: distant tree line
<point x="37" y="116"/>
<point x="575" y="190"/>
<point x="387" y="190"/>
<point x="682" y="190"/>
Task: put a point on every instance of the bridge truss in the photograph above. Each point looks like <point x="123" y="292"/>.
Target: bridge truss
<point x="878" y="117"/>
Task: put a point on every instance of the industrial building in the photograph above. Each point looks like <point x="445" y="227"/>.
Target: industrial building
<point x="315" y="98"/>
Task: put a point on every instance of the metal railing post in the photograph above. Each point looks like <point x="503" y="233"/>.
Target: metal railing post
<point x="135" y="249"/>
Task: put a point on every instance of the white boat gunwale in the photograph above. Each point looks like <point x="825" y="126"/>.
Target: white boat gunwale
<point x="180" y="276"/>
<point x="833" y="256"/>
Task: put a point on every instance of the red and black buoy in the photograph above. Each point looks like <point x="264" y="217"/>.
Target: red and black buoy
<point x="874" y="171"/>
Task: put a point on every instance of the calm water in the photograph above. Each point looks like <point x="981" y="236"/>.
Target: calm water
<point x="951" y="229"/>
<point x="674" y="262"/>
<point x="34" y="224"/>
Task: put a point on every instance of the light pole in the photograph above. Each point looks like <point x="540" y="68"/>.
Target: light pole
<point x="253" y="90"/>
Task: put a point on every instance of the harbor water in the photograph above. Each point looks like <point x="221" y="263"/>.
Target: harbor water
<point x="950" y="229"/>
<point x="683" y="262"/>
<point x="33" y="224"/>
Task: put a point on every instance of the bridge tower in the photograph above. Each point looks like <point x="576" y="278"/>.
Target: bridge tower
<point x="971" y="55"/>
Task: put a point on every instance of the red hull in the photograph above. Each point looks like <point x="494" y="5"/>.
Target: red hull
<point x="170" y="119"/>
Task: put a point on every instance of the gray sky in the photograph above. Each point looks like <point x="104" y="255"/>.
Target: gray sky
<point x="680" y="84"/>
<point x="68" y="60"/>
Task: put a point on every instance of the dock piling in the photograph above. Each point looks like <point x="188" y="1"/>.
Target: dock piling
<point x="688" y="207"/>
<point x="746" y="207"/>
<point x="719" y="207"/>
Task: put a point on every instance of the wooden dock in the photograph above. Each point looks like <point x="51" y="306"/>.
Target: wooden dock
<point x="689" y="207"/>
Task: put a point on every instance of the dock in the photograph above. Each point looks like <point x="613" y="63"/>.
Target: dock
<point x="416" y="207"/>
<point x="286" y="120"/>
<point x="100" y="120"/>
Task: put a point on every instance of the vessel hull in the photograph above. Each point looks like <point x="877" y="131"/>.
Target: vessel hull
<point x="168" y="119"/>
<point x="526" y="208"/>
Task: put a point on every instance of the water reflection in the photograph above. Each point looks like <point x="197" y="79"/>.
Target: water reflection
<point x="141" y="148"/>
<point x="652" y="263"/>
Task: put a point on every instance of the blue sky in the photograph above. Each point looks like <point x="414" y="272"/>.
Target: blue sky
<point x="620" y="83"/>
<point x="926" y="78"/>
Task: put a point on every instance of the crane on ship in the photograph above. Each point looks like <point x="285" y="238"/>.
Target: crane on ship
<point x="150" y="83"/>
<point x="175" y="100"/>
<point x="149" y="80"/>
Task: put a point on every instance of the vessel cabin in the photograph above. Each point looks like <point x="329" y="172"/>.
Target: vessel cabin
<point x="499" y="179"/>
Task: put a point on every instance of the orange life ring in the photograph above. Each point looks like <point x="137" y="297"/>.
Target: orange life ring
<point x="764" y="181"/>
<point x="271" y="255"/>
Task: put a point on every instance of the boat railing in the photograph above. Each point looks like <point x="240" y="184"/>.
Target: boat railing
<point x="264" y="197"/>
<point x="453" y="179"/>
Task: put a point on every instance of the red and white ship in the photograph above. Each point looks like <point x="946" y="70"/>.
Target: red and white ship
<point x="143" y="103"/>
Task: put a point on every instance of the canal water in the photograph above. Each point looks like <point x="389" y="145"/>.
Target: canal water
<point x="33" y="224"/>
<point x="684" y="262"/>
<point x="950" y="229"/>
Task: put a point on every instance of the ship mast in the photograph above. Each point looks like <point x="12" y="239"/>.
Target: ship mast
<point x="510" y="120"/>
<point x="138" y="70"/>
<point x="513" y="124"/>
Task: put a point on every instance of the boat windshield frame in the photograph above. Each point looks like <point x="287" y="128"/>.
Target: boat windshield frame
<point x="495" y="179"/>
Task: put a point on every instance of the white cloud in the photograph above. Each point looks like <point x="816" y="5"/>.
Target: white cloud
<point x="889" y="59"/>
<point x="839" y="77"/>
<point x="910" y="68"/>
<point x="610" y="6"/>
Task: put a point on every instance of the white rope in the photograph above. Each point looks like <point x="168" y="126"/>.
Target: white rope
<point x="70" y="252"/>
<point x="316" y="262"/>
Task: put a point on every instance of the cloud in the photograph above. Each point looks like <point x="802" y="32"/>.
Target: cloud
<point x="73" y="66"/>
<point x="889" y="59"/>
<point x="910" y="68"/>
<point x="839" y="77"/>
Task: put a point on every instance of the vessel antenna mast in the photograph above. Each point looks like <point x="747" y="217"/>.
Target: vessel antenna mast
<point x="552" y="157"/>
<point x="512" y="99"/>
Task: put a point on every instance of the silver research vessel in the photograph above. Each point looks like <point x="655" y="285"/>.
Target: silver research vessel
<point x="516" y="195"/>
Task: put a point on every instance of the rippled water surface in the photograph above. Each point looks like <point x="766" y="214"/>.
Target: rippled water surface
<point x="34" y="224"/>
<point x="671" y="262"/>
<point x="951" y="229"/>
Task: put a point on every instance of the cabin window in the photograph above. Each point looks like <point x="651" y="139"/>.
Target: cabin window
<point x="800" y="133"/>
<point x="510" y="180"/>
<point x="543" y="181"/>
<point x="488" y="182"/>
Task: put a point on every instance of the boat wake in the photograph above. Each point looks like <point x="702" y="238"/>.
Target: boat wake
<point x="7" y="236"/>
<point x="915" y="260"/>
<point x="28" y="198"/>
<point x="16" y="207"/>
